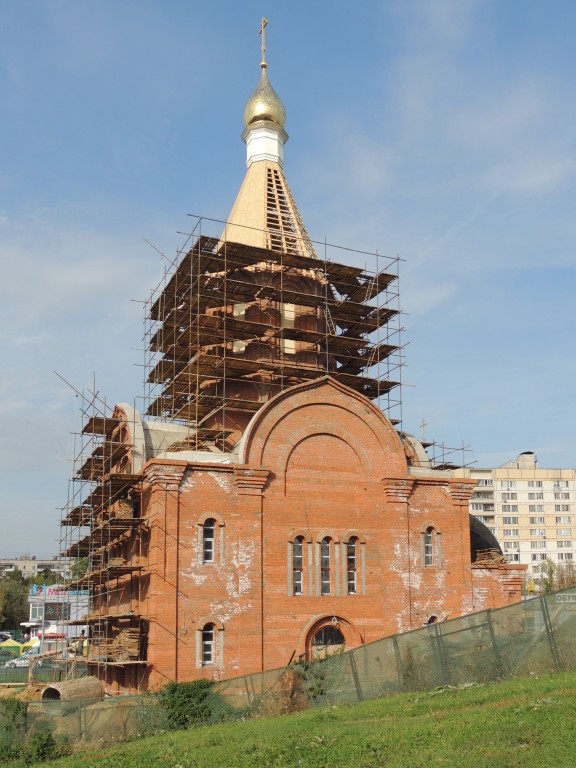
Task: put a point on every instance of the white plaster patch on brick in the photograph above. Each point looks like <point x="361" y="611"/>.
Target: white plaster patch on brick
<point x="221" y="479"/>
<point x="188" y="481"/>
<point x="415" y="579"/>
<point x="479" y="596"/>
<point x="238" y="581"/>
<point x="440" y="583"/>
<point x="467" y="604"/>
<point x="193" y="575"/>
<point x="404" y="575"/>
<point x="238" y="575"/>
<point x="228" y="609"/>
<point x="403" y="620"/>
<point x="399" y="570"/>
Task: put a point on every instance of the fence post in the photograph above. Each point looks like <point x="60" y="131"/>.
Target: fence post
<point x="501" y="667"/>
<point x="399" y="664"/>
<point x="550" y="633"/>
<point x="356" y="678"/>
<point x="438" y="646"/>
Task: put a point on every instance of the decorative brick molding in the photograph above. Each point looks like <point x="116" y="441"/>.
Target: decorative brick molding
<point x="169" y="476"/>
<point x="250" y="482"/>
<point x="397" y="489"/>
<point x="461" y="491"/>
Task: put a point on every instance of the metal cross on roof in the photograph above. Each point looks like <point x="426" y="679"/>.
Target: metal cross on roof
<point x="263" y="25"/>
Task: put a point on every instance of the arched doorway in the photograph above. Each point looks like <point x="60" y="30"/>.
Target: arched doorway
<point x="326" y="641"/>
<point x="326" y="635"/>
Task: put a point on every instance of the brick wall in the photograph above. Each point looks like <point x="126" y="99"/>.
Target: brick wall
<point x="319" y="461"/>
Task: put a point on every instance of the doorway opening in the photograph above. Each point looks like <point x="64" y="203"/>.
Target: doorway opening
<point x="327" y="641"/>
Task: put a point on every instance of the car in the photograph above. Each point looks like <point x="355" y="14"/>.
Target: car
<point x="5" y="636"/>
<point x="39" y="658"/>
<point x="24" y="659"/>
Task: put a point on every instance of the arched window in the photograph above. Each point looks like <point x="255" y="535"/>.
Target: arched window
<point x="208" y="541"/>
<point x="327" y="641"/>
<point x="429" y="547"/>
<point x="297" y="553"/>
<point x="208" y="645"/>
<point x="351" y="565"/>
<point x="325" y="566"/>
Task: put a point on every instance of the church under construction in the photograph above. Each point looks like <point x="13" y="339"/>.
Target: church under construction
<point x="266" y="505"/>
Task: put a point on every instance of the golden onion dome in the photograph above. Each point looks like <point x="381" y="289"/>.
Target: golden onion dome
<point x="264" y="104"/>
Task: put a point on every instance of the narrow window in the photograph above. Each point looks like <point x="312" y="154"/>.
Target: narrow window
<point x="208" y="541"/>
<point x="297" y="565"/>
<point x="288" y="315"/>
<point x="325" y="567"/>
<point x="208" y="645"/>
<point x="429" y="547"/>
<point x="351" y="560"/>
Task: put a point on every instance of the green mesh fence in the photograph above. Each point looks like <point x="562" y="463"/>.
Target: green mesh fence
<point x="535" y="636"/>
<point x="532" y="637"/>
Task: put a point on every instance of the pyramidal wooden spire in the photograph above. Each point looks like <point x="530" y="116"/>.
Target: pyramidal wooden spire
<point x="265" y="214"/>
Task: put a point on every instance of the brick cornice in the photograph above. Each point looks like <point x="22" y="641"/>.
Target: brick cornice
<point x="169" y="476"/>
<point x="249" y="481"/>
<point x="461" y="490"/>
<point x="397" y="489"/>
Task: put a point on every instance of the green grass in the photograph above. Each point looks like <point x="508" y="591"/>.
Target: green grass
<point x="522" y="722"/>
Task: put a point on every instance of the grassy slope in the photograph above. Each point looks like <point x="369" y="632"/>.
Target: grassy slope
<point x="522" y="722"/>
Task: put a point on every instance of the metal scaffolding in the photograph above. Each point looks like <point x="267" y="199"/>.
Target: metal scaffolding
<point x="230" y="325"/>
<point x="228" y="328"/>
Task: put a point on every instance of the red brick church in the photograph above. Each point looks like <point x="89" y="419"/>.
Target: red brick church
<point x="265" y="507"/>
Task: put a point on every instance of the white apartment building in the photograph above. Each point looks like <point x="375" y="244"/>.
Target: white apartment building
<point x="531" y="511"/>
<point x="30" y="566"/>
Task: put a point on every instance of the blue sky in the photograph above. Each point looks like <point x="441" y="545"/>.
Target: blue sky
<point x="442" y="131"/>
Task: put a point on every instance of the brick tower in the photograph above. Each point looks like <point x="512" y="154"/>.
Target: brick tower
<point x="266" y="507"/>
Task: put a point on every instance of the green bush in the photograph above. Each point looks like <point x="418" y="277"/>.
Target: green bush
<point x="186" y="704"/>
<point x="12" y="727"/>
<point x="40" y="746"/>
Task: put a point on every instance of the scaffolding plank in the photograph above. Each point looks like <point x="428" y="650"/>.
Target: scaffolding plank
<point x="207" y="288"/>
<point x="366" y="358"/>
<point x="366" y="288"/>
<point x="107" y="573"/>
<point x="100" y="425"/>
<point x="181" y="276"/>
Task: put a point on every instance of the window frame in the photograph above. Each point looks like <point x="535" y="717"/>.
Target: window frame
<point x="325" y="563"/>
<point x="208" y="645"/>
<point x="430" y="546"/>
<point x="352" y="565"/>
<point x="209" y="542"/>
<point x="298" y="572"/>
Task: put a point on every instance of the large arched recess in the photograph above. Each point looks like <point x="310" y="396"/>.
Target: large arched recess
<point x="323" y="427"/>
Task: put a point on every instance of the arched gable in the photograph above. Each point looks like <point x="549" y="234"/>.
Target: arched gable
<point x="131" y="433"/>
<point x="323" y="426"/>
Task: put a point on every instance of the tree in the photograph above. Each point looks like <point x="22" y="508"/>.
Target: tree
<point x="79" y="567"/>
<point x="45" y="576"/>
<point x="548" y="578"/>
<point x="13" y="600"/>
<point x="565" y="575"/>
<point x="557" y="576"/>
